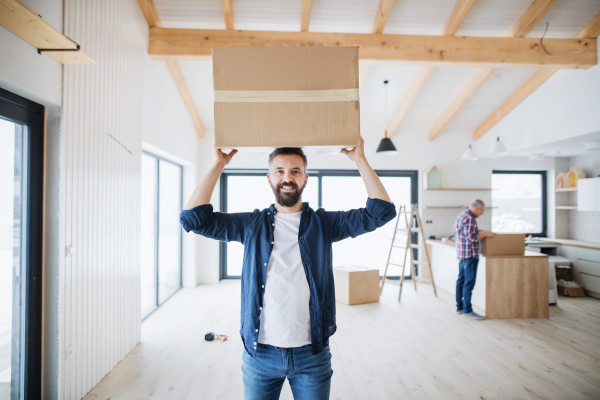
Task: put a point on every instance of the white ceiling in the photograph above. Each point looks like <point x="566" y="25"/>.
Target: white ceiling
<point x="418" y="17"/>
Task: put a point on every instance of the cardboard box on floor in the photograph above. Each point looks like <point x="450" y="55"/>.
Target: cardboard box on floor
<point x="269" y="97"/>
<point x="356" y="285"/>
<point x="504" y="244"/>
<point x="570" y="288"/>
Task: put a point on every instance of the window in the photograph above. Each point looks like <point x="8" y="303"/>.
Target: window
<point x="333" y="190"/>
<point x="160" y="231"/>
<point x="519" y="202"/>
<point x="21" y="206"/>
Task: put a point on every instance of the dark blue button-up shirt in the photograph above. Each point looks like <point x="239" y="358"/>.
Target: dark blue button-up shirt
<point x="318" y="230"/>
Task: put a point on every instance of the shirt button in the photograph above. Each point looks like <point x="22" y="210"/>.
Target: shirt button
<point x="273" y="224"/>
<point x="260" y="308"/>
<point x="256" y="330"/>
<point x="268" y="213"/>
<point x="272" y="242"/>
<point x="254" y="343"/>
<point x="263" y="285"/>
<point x="265" y="264"/>
<point x="254" y="347"/>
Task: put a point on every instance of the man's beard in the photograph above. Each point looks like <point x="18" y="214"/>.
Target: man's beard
<point x="287" y="199"/>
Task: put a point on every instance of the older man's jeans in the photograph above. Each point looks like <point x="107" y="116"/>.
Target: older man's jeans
<point x="467" y="272"/>
<point x="309" y="375"/>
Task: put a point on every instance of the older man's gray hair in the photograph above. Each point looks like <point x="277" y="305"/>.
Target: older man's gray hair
<point x="477" y="204"/>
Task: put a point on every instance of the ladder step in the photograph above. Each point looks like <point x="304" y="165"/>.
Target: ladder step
<point x="399" y="247"/>
<point x="397" y="265"/>
<point x="419" y="262"/>
<point x="406" y="229"/>
<point x="416" y="246"/>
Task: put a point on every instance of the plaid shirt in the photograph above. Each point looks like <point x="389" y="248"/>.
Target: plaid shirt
<point x="466" y="232"/>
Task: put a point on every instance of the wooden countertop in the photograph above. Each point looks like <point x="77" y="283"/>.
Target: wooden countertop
<point x="452" y="245"/>
<point x="571" y="242"/>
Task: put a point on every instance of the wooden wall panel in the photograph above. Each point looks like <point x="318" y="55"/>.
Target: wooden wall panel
<point x="102" y="136"/>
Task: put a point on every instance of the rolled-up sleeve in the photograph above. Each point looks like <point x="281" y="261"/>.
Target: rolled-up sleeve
<point x="345" y="224"/>
<point x="472" y="232"/>
<point x="203" y="220"/>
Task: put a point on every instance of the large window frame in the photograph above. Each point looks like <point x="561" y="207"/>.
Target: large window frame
<point x="157" y="230"/>
<point x="26" y="112"/>
<point x="314" y="174"/>
<point x="543" y="176"/>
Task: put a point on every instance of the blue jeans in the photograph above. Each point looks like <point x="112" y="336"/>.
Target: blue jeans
<point x="467" y="272"/>
<point x="309" y="375"/>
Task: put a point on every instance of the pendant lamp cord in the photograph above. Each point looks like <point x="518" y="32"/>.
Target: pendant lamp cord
<point x="385" y="111"/>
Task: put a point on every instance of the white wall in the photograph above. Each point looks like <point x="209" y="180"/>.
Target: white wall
<point x="565" y="106"/>
<point x="102" y="138"/>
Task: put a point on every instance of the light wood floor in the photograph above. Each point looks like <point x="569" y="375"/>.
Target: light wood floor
<point x="417" y="349"/>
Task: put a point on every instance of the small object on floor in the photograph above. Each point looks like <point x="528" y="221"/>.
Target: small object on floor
<point x="474" y="315"/>
<point x="459" y="311"/>
<point x="210" y="336"/>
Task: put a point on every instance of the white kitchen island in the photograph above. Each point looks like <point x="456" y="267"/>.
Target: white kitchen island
<point x="506" y="286"/>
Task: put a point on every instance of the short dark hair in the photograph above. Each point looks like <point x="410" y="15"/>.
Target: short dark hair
<point x="286" y="151"/>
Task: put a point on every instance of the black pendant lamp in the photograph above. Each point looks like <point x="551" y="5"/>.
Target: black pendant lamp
<point x="386" y="146"/>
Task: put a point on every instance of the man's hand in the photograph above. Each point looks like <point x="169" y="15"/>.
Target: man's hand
<point x="222" y="158"/>
<point x="356" y="153"/>
<point x="484" y="234"/>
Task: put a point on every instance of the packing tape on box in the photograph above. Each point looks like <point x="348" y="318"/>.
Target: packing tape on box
<point x="285" y="96"/>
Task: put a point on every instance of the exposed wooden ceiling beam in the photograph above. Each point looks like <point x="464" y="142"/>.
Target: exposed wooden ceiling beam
<point x="306" y="8"/>
<point x="227" y="13"/>
<point x="454" y="51"/>
<point x="149" y="9"/>
<point x="524" y="25"/>
<point x="383" y="12"/>
<point x="591" y="30"/>
<point x="457" y="16"/>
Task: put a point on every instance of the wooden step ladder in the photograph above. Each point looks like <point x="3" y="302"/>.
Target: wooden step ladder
<point x="410" y="217"/>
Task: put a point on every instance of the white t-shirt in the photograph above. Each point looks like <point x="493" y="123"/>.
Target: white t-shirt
<point x="285" y="317"/>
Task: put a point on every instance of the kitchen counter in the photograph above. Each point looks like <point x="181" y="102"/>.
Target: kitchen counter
<point x="568" y="242"/>
<point x="506" y="286"/>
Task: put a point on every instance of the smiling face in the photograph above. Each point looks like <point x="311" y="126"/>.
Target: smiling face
<point x="287" y="178"/>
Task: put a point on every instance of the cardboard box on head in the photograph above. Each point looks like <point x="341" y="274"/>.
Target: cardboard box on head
<point x="268" y="97"/>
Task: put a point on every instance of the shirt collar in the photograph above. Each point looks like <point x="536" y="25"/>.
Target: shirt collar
<point x="470" y="213"/>
<point x="304" y="203"/>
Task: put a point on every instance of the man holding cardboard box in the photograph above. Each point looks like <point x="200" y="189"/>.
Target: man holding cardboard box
<point x="288" y="297"/>
<point x="468" y="237"/>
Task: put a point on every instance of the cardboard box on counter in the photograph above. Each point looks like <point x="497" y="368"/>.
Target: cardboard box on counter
<point x="268" y="97"/>
<point x="356" y="285"/>
<point x="504" y="244"/>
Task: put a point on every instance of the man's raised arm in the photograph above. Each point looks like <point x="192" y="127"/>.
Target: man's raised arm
<point x="203" y="191"/>
<point x="375" y="188"/>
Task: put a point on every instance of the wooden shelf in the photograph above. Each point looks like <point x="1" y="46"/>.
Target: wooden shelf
<point x="566" y="190"/>
<point x="470" y="189"/>
<point x="566" y="207"/>
<point x="26" y="24"/>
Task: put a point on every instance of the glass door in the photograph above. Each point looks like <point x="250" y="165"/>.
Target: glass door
<point x="333" y="190"/>
<point x="160" y="231"/>
<point x="345" y="192"/>
<point x="21" y="186"/>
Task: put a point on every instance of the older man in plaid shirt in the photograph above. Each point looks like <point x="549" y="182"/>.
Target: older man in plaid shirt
<point x="467" y="245"/>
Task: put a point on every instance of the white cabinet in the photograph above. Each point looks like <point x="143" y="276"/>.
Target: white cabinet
<point x="588" y="194"/>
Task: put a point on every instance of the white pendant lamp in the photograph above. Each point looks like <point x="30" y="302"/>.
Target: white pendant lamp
<point x="498" y="148"/>
<point x="386" y="146"/>
<point x="469" y="153"/>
